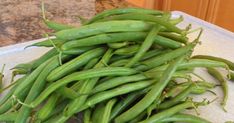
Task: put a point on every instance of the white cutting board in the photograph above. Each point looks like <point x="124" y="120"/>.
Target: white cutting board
<point x="216" y="41"/>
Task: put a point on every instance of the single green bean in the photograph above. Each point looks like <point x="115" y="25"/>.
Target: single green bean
<point x="151" y="95"/>
<point x="114" y="82"/>
<point x="118" y="45"/>
<point x="44" y="58"/>
<point x="47" y="43"/>
<point x="77" y="51"/>
<point x="57" y="26"/>
<point x="188" y="118"/>
<point x="175" y="37"/>
<point x="217" y="75"/>
<point x="123" y="89"/>
<point x="129" y="50"/>
<point x="145" y="17"/>
<point x="176" y="20"/>
<point x="168" y="112"/>
<point x="105" y="118"/>
<point x="102" y="27"/>
<point x="74" y="64"/>
<point x="118" y="11"/>
<point x="229" y="63"/>
<point x="192" y="64"/>
<point x="144" y="46"/>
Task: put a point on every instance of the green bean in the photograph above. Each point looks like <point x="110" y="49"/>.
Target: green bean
<point x="37" y="87"/>
<point x="44" y="58"/>
<point x="86" y="74"/>
<point x="93" y="62"/>
<point x="188" y="118"/>
<point x="56" y="26"/>
<point x="102" y="27"/>
<point x="192" y="64"/>
<point x="77" y="51"/>
<point x="168" y="112"/>
<point x="111" y="83"/>
<point x="153" y="53"/>
<point x="217" y="75"/>
<point x="23" y="68"/>
<point x="123" y="89"/>
<point x="87" y="86"/>
<point x="130" y="50"/>
<point x="105" y="118"/>
<point x="177" y="99"/>
<point x="115" y="38"/>
<point x="105" y="38"/>
<point x="74" y="64"/>
<point x="122" y="11"/>
<point x="119" y="63"/>
<point x="167" y="42"/>
<point x="200" y="87"/>
<point x="229" y="63"/>
<point x="176" y="20"/>
<point x="151" y="95"/>
<point x="46" y="110"/>
<point x="47" y="43"/>
<point x="8" y="117"/>
<point x="87" y="116"/>
<point x="145" y="46"/>
<point x="175" y="37"/>
<point x="161" y="59"/>
<point x="125" y="102"/>
<point x="145" y="17"/>
<point x="118" y="45"/>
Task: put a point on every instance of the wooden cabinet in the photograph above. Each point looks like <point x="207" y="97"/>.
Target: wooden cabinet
<point x="215" y="11"/>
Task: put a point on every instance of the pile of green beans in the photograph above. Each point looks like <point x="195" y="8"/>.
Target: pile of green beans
<point x="120" y="66"/>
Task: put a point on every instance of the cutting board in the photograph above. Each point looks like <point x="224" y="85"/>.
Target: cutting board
<point x="216" y="41"/>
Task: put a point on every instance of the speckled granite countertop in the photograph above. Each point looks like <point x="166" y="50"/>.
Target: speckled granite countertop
<point x="21" y="20"/>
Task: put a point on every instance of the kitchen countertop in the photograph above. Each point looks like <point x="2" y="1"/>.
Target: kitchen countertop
<point x="21" y="20"/>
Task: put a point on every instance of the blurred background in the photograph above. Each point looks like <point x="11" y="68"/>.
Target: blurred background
<point x="21" y="20"/>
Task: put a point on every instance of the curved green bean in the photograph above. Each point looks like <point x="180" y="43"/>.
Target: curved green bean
<point x="144" y="46"/>
<point x="102" y="27"/>
<point x="229" y="63"/>
<point x="217" y="75"/>
<point x="105" y="118"/>
<point x="188" y="118"/>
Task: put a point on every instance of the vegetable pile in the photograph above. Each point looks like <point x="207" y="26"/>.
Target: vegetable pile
<point x="120" y="66"/>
